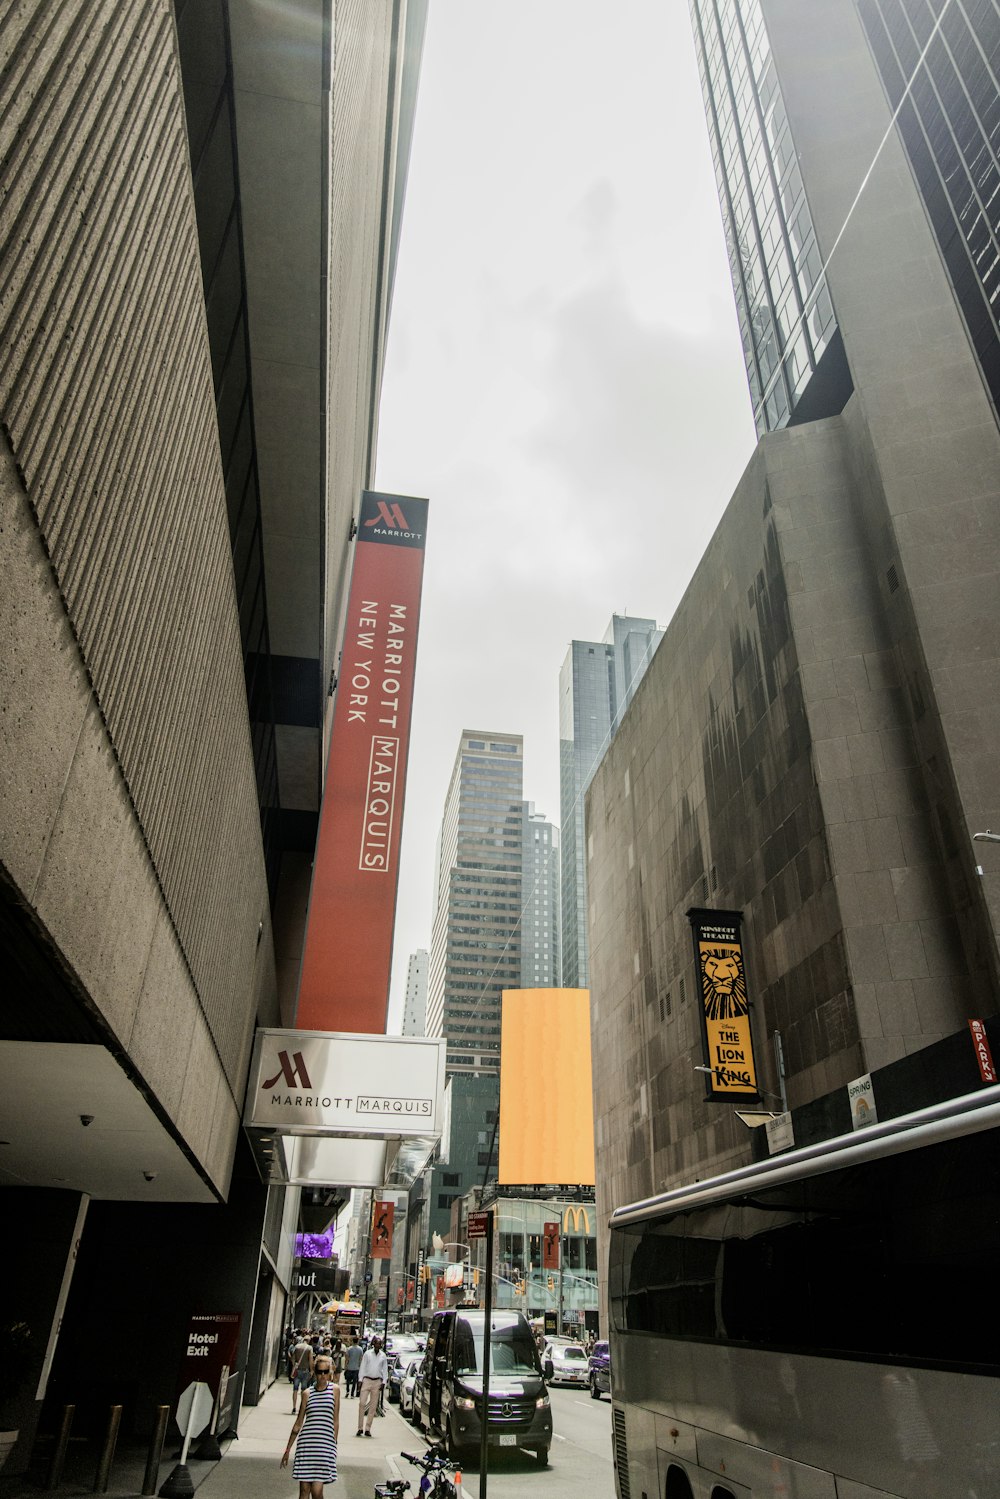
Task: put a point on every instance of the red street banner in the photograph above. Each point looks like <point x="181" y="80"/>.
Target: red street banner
<point x="344" y="983"/>
<point x="550" y="1246"/>
<point x="439" y="1297"/>
<point x="981" y="1046"/>
<point x="382" y="1216"/>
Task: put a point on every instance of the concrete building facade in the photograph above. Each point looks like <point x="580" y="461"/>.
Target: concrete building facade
<point x="415" y="1000"/>
<point x="815" y="743"/>
<point x="476" y="941"/>
<point x="540" y="924"/>
<point x="188" y="407"/>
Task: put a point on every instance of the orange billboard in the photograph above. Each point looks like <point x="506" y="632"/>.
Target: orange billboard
<point x="546" y="1098"/>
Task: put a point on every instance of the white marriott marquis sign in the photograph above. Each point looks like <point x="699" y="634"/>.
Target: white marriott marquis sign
<point x="331" y="1082"/>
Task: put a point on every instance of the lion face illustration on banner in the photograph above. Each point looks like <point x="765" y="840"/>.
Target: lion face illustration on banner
<point x="723" y="987"/>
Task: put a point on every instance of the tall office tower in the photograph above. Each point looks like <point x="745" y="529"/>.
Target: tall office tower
<point x="814" y="746"/>
<point x="948" y="123"/>
<point x="199" y="217"/>
<point x="476" y="942"/>
<point x="540" y="948"/>
<point x="415" y="1003"/>
<point x="596" y="685"/>
<point x="792" y="346"/>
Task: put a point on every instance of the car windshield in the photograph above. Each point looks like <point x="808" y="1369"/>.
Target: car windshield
<point x="512" y="1348"/>
<point x="600" y="1350"/>
<point x="569" y="1353"/>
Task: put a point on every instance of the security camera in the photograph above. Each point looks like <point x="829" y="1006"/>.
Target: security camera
<point x="86" y="1119"/>
<point x="150" y="1176"/>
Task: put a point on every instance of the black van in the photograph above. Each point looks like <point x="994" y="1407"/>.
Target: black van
<point x="451" y="1393"/>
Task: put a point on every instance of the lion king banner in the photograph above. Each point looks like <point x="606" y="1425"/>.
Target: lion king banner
<point x="725" y="1004"/>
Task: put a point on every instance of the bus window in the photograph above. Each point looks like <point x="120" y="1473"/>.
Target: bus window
<point x="828" y="1309"/>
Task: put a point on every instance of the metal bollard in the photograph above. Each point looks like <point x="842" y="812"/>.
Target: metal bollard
<point x="156" y="1450"/>
<point x="103" y="1475"/>
<point x="62" y="1442"/>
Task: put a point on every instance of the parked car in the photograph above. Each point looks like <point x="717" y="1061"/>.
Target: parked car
<point x="565" y="1363"/>
<point x="399" y="1367"/>
<point x="599" y="1370"/>
<point x="408" y="1385"/>
<point x="401" y="1342"/>
<point x="451" y="1387"/>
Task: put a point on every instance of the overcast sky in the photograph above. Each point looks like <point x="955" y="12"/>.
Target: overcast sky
<point x="564" y="378"/>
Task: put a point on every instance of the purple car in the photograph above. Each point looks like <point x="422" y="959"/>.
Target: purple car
<point x="599" y="1370"/>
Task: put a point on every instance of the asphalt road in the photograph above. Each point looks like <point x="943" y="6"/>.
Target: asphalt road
<point x="579" y="1462"/>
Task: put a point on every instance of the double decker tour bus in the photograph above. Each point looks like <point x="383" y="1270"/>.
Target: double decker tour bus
<point x="821" y="1325"/>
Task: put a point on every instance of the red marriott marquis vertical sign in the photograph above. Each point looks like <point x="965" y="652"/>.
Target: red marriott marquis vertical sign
<point x="344" y="984"/>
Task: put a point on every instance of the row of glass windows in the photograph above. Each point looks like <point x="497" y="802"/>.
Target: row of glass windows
<point x="950" y="126"/>
<point x="785" y="313"/>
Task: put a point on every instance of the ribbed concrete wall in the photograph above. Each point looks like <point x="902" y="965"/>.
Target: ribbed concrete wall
<point x="361" y="76"/>
<point x="106" y="395"/>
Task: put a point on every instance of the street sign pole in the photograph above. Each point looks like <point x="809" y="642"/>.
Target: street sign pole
<point x="487" y="1329"/>
<point x="193" y="1410"/>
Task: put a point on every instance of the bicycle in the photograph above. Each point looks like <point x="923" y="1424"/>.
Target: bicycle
<point x="434" y="1484"/>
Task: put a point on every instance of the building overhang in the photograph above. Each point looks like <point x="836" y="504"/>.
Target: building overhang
<point x="342" y="1109"/>
<point x="72" y="1119"/>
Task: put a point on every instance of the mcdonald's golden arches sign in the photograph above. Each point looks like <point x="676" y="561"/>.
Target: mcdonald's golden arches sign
<point x="724" y="1004"/>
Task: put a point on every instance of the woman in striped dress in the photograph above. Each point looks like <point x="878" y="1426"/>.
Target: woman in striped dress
<point x="318" y="1421"/>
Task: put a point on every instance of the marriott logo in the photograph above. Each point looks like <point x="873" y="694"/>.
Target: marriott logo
<point x="293" y="1071"/>
<point x="389" y="515"/>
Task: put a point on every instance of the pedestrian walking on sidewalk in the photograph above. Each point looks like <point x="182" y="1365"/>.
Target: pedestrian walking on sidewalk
<point x="374" y="1373"/>
<point x="318" y="1421"/>
<point x="355" y="1354"/>
<point x="303" y="1360"/>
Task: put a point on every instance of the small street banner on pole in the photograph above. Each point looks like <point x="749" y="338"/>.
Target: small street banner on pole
<point x="550" y="1245"/>
<point x="382" y="1216"/>
<point x="724" y="1004"/>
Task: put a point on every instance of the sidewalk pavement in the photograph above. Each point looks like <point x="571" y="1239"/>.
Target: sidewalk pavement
<point x="249" y="1469"/>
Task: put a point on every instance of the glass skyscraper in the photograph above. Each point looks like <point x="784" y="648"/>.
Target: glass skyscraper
<point x="596" y="685"/>
<point x="476" y="942"/>
<point x="949" y="123"/>
<point x="793" y="351"/>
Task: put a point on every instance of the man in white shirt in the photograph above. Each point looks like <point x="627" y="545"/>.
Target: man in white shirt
<point x="373" y="1374"/>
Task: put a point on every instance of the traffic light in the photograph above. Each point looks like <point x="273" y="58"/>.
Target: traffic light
<point x="475" y="1275"/>
<point x="552" y="1282"/>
